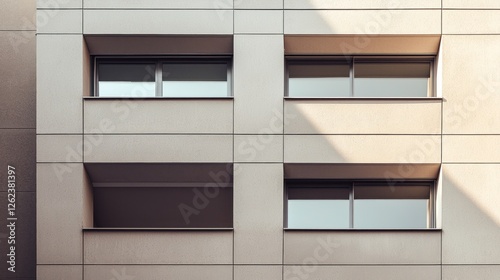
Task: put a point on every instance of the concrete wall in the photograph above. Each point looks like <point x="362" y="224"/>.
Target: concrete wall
<point x="259" y="131"/>
<point x="17" y="133"/>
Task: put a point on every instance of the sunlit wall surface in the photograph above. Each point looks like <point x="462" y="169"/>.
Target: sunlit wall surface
<point x="411" y="95"/>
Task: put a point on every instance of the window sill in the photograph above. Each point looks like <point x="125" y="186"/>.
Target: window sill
<point x="366" y="230"/>
<point x="366" y="98"/>
<point x="155" y="229"/>
<point x="156" y="98"/>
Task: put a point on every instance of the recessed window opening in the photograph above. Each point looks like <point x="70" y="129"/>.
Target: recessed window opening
<point x="359" y="77"/>
<point x="193" y="77"/>
<point x="318" y="204"/>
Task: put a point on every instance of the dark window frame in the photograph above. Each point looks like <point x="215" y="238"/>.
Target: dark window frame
<point x="159" y="61"/>
<point x="328" y="183"/>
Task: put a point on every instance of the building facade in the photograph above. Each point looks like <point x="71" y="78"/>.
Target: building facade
<point x="221" y="139"/>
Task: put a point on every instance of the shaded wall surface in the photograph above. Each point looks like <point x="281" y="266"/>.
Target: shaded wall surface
<point x="18" y="135"/>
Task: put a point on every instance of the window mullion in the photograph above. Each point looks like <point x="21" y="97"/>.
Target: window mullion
<point x="159" y="77"/>
<point x="351" y="75"/>
<point x="96" y="78"/>
<point x="229" y="79"/>
<point x="351" y="207"/>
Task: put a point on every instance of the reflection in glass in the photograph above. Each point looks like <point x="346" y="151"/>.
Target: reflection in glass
<point x="399" y="207"/>
<point x="126" y="80"/>
<point x="318" y="214"/>
<point x="195" y="80"/>
<point x="318" y="80"/>
<point x="318" y="207"/>
<point x="391" y="79"/>
<point x="390" y="213"/>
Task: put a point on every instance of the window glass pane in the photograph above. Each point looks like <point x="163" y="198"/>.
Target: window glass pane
<point x="390" y="87"/>
<point x="390" y="213"/>
<point x="318" y="214"/>
<point x="195" y="80"/>
<point x="391" y="206"/>
<point x="318" y="80"/>
<point x="126" y="80"/>
<point x="318" y="207"/>
<point x="391" y="79"/>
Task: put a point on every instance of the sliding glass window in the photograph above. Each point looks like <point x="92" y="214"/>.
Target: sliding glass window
<point x="318" y="204"/>
<point x="318" y="79"/>
<point x="374" y="77"/>
<point x="163" y="77"/>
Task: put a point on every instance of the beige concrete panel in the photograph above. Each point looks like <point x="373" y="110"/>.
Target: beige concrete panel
<point x="362" y="247"/>
<point x="471" y="148"/>
<point x="258" y="148"/>
<point x="255" y="21"/>
<point x="471" y="22"/>
<point x="471" y="4"/>
<point x="18" y="149"/>
<point x="158" y="4"/>
<point x="158" y="148"/>
<point x="362" y="44"/>
<point x="158" y="247"/>
<point x="18" y="79"/>
<point x="362" y="149"/>
<point x="156" y="272"/>
<point x="258" y="84"/>
<point x="414" y="272"/>
<point x="472" y="97"/>
<point x="158" y="22"/>
<point x="59" y="272"/>
<point x="158" y="116"/>
<point x="18" y="15"/>
<point x="465" y="272"/>
<point x="59" y="148"/>
<point x="251" y="272"/>
<point x="258" y="4"/>
<point x="59" y="21"/>
<point x="59" y="84"/>
<point x="57" y="4"/>
<point x="362" y="22"/>
<point x="362" y="4"/>
<point x="258" y="213"/>
<point x="471" y="214"/>
<point x="363" y="117"/>
<point x="59" y="213"/>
